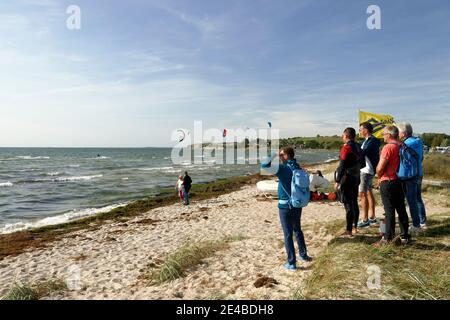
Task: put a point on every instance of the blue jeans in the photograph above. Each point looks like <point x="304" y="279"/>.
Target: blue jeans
<point x="186" y="195"/>
<point x="413" y="194"/>
<point x="290" y="222"/>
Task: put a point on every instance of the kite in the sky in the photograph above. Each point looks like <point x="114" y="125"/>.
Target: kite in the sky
<point x="270" y="124"/>
<point x="224" y="133"/>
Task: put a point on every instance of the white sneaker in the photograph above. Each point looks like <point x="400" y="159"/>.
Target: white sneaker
<point x="423" y="226"/>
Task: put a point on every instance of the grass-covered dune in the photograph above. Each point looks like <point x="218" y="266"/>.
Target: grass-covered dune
<point x="437" y="166"/>
<point x="420" y="270"/>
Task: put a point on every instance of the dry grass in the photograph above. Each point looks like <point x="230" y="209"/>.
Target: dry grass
<point x="185" y="258"/>
<point x="36" y="291"/>
<point x="420" y="270"/>
<point x="437" y="166"/>
<point x="437" y="196"/>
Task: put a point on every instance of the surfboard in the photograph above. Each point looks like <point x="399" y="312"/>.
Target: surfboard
<point x="267" y="187"/>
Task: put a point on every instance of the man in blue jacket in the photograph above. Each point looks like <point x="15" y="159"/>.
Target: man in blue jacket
<point x="371" y="152"/>
<point x="289" y="216"/>
<point x="413" y="187"/>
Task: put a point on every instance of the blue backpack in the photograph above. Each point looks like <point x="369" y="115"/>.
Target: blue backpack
<point x="409" y="163"/>
<point x="300" y="194"/>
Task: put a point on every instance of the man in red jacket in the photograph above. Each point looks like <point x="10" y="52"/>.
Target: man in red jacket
<point x="391" y="188"/>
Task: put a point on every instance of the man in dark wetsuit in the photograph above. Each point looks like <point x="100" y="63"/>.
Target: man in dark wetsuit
<point x="347" y="178"/>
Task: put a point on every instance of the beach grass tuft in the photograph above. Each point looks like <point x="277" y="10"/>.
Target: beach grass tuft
<point x="36" y="291"/>
<point x="187" y="257"/>
<point x="184" y="258"/>
<point x="233" y="238"/>
<point x="20" y="291"/>
<point x="420" y="270"/>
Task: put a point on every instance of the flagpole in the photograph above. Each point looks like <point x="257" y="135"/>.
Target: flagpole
<point x="359" y="114"/>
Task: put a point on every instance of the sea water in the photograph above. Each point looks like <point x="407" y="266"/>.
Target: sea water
<point x="43" y="186"/>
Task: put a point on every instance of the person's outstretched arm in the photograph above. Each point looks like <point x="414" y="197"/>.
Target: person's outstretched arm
<point x="268" y="165"/>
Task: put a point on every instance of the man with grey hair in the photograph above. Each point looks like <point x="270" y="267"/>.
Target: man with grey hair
<point x="411" y="175"/>
<point x="391" y="187"/>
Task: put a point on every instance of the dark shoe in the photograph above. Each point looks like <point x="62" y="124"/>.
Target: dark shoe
<point x="306" y="258"/>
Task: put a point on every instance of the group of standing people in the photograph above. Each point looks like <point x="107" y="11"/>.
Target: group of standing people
<point x="183" y="186"/>
<point x="354" y="179"/>
<point x="393" y="166"/>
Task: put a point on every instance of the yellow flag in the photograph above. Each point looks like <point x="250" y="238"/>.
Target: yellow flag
<point x="379" y="121"/>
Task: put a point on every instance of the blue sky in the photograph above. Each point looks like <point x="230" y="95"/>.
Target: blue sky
<point x="139" y="69"/>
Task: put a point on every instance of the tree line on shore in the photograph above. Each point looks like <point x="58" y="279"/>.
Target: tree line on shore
<point x="335" y="142"/>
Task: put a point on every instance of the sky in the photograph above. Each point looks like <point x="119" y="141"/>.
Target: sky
<point x="139" y="69"/>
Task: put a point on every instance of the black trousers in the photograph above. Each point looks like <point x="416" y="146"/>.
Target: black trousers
<point x="350" y="201"/>
<point x="394" y="200"/>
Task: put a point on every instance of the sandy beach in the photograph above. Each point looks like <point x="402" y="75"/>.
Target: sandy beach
<point x="111" y="261"/>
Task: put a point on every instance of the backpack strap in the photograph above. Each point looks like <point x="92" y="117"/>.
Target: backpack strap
<point x="288" y="202"/>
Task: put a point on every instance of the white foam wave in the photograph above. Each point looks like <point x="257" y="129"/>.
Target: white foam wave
<point x="25" y="158"/>
<point x="155" y="168"/>
<point x="66" y="179"/>
<point x="63" y="218"/>
<point x="6" y="184"/>
<point x="79" y="178"/>
<point x="172" y="171"/>
<point x="55" y="173"/>
<point x="32" y="158"/>
<point x="27" y="170"/>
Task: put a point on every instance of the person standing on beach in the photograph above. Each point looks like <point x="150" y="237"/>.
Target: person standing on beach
<point x="347" y="178"/>
<point x="412" y="186"/>
<point x="180" y="189"/>
<point x="289" y="216"/>
<point x="391" y="187"/>
<point x="371" y="152"/>
<point x="187" y="183"/>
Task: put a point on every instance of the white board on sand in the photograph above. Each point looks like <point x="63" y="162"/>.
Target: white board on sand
<point x="267" y="187"/>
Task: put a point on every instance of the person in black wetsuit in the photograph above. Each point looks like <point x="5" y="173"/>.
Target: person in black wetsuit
<point x="347" y="178"/>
